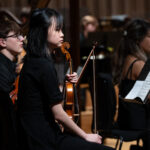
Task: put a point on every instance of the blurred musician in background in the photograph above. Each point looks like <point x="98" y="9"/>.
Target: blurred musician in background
<point x="129" y="61"/>
<point x="89" y="24"/>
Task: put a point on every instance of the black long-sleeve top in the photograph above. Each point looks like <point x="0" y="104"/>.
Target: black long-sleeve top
<point x="7" y="74"/>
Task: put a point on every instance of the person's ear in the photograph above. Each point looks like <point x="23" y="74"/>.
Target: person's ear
<point x="2" y="42"/>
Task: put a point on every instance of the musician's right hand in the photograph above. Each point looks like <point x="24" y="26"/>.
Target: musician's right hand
<point x="73" y="78"/>
<point x="94" y="138"/>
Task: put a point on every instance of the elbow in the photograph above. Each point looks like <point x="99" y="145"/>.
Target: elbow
<point x="58" y="113"/>
<point x="58" y="117"/>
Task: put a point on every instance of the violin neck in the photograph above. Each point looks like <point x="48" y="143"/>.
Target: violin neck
<point x="70" y="65"/>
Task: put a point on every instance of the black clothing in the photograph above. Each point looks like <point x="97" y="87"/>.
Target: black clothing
<point x="8" y="129"/>
<point x="133" y="116"/>
<point x="38" y="89"/>
<point x="7" y="114"/>
<point x="7" y="74"/>
<point x="127" y="83"/>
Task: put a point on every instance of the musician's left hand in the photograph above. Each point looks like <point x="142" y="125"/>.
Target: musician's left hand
<point x="73" y="78"/>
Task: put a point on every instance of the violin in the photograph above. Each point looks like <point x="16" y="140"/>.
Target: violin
<point x="70" y="97"/>
<point x="13" y="94"/>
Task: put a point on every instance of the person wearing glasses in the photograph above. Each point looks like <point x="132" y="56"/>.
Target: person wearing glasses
<point x="11" y="44"/>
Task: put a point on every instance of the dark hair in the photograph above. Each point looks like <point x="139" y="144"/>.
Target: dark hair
<point x="134" y="32"/>
<point x="7" y="26"/>
<point x="41" y="19"/>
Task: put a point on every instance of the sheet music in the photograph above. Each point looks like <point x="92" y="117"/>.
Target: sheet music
<point x="145" y="88"/>
<point x="135" y="90"/>
<point x="140" y="89"/>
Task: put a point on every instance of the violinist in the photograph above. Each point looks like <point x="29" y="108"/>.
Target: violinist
<point x="39" y="98"/>
<point x="11" y="44"/>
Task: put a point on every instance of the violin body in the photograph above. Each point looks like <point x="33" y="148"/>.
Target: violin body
<point x="70" y="97"/>
<point x="71" y="101"/>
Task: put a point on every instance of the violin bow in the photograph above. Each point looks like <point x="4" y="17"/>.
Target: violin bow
<point x="85" y="65"/>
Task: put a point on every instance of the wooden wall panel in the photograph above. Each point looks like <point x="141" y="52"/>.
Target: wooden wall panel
<point x="102" y="8"/>
<point x="99" y="8"/>
<point x="140" y="8"/>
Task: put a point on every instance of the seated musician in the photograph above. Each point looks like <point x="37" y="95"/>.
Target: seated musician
<point x="89" y="24"/>
<point x="39" y="97"/>
<point x="11" y="44"/>
<point x="129" y="60"/>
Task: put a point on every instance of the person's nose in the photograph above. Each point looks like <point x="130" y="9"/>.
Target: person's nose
<point x="61" y="34"/>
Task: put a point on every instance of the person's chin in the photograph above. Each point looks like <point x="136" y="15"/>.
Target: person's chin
<point x="59" y="45"/>
<point x="19" y="51"/>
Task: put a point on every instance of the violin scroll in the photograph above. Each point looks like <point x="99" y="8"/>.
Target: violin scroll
<point x="64" y="48"/>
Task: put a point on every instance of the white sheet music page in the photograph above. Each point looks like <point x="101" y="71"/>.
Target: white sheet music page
<point x="140" y="89"/>
<point x="145" y="88"/>
<point x="135" y="90"/>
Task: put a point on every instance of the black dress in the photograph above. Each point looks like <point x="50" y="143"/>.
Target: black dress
<point x="38" y="89"/>
<point x="7" y="114"/>
<point x="133" y="116"/>
<point x="127" y="83"/>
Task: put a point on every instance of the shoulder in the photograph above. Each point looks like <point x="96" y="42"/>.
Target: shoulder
<point x="137" y="68"/>
<point x="4" y="73"/>
<point x="3" y="67"/>
<point x="38" y="61"/>
<point x="36" y="66"/>
<point x="46" y="63"/>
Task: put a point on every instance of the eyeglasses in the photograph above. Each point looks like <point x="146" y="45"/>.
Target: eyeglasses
<point x="18" y="36"/>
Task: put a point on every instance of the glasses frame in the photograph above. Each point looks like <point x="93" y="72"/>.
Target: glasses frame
<point x="18" y="36"/>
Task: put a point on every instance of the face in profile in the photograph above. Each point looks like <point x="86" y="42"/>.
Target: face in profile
<point x="145" y="43"/>
<point x="13" y="43"/>
<point x="55" y="36"/>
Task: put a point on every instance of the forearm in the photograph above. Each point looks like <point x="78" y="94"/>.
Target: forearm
<point x="62" y="117"/>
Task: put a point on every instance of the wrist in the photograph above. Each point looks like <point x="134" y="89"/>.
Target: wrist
<point x="84" y="135"/>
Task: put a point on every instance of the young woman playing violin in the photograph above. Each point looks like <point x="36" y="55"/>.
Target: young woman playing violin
<point x="39" y="98"/>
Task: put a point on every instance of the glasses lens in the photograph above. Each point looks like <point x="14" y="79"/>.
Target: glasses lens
<point x="18" y="36"/>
